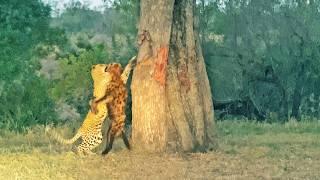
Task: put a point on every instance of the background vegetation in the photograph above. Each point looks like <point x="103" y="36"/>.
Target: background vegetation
<point x="262" y="60"/>
<point x="262" y="57"/>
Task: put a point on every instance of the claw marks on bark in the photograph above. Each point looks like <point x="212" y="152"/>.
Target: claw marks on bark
<point x="145" y="35"/>
<point x="160" y="67"/>
<point x="159" y="57"/>
<point x="183" y="77"/>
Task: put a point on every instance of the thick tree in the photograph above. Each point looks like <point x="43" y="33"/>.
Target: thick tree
<point x="172" y="106"/>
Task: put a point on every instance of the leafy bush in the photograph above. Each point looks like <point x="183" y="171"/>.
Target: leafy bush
<point x="26" y="103"/>
<point x="23" y="95"/>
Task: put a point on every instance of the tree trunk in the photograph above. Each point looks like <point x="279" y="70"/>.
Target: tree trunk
<point x="172" y="107"/>
<point x="297" y="94"/>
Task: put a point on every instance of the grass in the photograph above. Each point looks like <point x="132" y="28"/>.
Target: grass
<point x="246" y="150"/>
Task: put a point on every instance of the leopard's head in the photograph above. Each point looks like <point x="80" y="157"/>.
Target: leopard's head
<point x="99" y="72"/>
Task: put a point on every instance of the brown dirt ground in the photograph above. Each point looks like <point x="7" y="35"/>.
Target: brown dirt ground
<point x="263" y="155"/>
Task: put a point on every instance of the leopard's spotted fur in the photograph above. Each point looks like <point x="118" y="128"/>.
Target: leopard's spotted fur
<point x="90" y="130"/>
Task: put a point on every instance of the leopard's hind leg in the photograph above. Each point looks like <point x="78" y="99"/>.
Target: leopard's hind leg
<point x="89" y="143"/>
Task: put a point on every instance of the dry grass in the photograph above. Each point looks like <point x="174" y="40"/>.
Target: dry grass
<point x="246" y="151"/>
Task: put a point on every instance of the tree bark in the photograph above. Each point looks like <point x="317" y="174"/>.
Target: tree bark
<point x="172" y="107"/>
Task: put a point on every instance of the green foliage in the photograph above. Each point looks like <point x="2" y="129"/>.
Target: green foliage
<point x="79" y="18"/>
<point x="26" y="103"/>
<point x="19" y="32"/>
<point x="126" y="16"/>
<point x="23" y="95"/>
<point x="115" y="27"/>
<point x="75" y="84"/>
<point x="255" y="37"/>
<point x="240" y="41"/>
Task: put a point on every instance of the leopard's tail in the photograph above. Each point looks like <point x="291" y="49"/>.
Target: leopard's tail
<point x="60" y="139"/>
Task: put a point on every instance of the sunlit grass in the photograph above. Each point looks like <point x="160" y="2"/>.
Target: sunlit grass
<point x="246" y="150"/>
<point x="270" y="140"/>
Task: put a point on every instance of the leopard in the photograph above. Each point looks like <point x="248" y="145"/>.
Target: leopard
<point x="117" y="106"/>
<point x="91" y="128"/>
